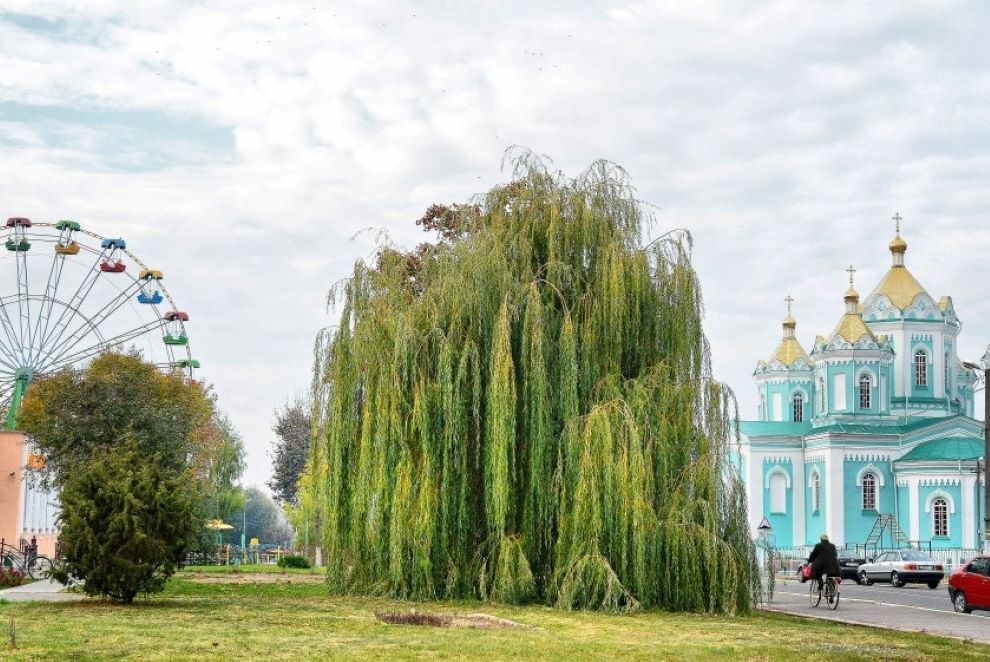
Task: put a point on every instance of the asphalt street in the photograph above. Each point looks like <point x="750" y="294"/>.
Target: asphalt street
<point x="914" y="608"/>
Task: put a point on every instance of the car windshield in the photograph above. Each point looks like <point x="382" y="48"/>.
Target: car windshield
<point x="916" y="556"/>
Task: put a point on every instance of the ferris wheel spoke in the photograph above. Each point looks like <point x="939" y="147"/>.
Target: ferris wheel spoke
<point x="91" y="324"/>
<point x="23" y="302"/>
<point x="50" y="338"/>
<point x="64" y="359"/>
<point x="48" y="302"/>
<point x="11" y="333"/>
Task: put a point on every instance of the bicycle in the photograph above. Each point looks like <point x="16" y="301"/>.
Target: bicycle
<point x="34" y="565"/>
<point x="827" y="588"/>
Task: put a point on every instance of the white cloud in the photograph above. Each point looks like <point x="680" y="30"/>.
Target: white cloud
<point x="784" y="135"/>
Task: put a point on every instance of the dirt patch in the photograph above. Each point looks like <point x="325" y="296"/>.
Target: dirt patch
<point x="252" y="578"/>
<point x="478" y="621"/>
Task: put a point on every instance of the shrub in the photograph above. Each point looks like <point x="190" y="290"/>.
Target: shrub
<point x="293" y="561"/>
<point x="10" y="577"/>
<point x="126" y="523"/>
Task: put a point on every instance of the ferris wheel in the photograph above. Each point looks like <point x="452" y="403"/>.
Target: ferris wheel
<point x="67" y="295"/>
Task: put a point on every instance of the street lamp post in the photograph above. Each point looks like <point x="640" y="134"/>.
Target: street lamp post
<point x="985" y="365"/>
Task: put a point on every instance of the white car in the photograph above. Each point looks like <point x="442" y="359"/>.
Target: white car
<point x="902" y="567"/>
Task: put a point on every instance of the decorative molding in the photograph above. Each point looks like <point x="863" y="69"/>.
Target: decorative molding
<point x="867" y="457"/>
<point x="809" y="459"/>
<point x="777" y="469"/>
<point x="777" y="459"/>
<point x="870" y="469"/>
<point x="939" y="482"/>
<point x="940" y="494"/>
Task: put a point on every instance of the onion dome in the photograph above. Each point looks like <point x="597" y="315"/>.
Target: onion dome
<point x="789" y="351"/>
<point x="899" y="285"/>
<point x="852" y="327"/>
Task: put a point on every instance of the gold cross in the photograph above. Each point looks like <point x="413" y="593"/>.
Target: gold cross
<point x="897" y="222"/>
<point x="852" y="272"/>
<point x="789" y="301"/>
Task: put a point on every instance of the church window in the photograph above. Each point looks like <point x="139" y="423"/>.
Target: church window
<point x="940" y="517"/>
<point x="920" y="368"/>
<point x="869" y="492"/>
<point x="821" y="394"/>
<point x="798" y="408"/>
<point x="816" y="492"/>
<point x="865" y="392"/>
<point x="946" y="385"/>
<point x="763" y="408"/>
<point x="778" y="492"/>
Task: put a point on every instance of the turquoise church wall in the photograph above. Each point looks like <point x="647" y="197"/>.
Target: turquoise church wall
<point x="928" y="391"/>
<point x="814" y="522"/>
<point x="859" y="522"/>
<point x="955" y="519"/>
<point x="782" y="523"/>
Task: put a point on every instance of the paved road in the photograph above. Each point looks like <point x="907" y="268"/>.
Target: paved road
<point x="914" y="607"/>
<point x="45" y="590"/>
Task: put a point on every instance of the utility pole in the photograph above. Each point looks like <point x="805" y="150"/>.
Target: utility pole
<point x="985" y="366"/>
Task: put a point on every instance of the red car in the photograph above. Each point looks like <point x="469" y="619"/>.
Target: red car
<point x="969" y="585"/>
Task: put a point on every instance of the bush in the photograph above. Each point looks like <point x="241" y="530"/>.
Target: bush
<point x="293" y="561"/>
<point x="126" y="522"/>
<point x="10" y="577"/>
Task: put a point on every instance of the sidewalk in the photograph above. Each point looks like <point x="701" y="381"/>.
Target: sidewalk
<point x="45" y="590"/>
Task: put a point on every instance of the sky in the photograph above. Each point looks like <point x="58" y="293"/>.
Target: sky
<point x="254" y="151"/>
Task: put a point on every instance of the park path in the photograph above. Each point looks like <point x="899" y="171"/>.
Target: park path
<point x="45" y="590"/>
<point x="913" y="609"/>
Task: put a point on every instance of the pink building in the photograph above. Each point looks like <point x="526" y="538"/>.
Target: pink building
<point x="26" y="510"/>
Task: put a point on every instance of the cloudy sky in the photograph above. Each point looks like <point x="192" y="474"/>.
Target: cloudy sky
<point x="241" y="146"/>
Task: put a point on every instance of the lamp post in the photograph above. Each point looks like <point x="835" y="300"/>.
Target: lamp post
<point x="985" y="366"/>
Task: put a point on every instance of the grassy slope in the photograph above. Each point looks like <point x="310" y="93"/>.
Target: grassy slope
<point x="299" y="621"/>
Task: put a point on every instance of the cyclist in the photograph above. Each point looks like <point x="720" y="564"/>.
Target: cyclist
<point x="824" y="560"/>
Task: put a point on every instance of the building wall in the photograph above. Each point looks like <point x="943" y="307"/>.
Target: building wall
<point x="859" y="522"/>
<point x="953" y="493"/>
<point x="782" y="523"/>
<point x="815" y="521"/>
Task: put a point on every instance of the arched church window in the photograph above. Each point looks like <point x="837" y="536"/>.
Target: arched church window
<point x="798" y="408"/>
<point x="920" y="368"/>
<point x="865" y="392"/>
<point x="816" y="492"/>
<point x="821" y="394"/>
<point x="778" y="493"/>
<point x="940" y="517"/>
<point x="948" y="388"/>
<point x="869" y="492"/>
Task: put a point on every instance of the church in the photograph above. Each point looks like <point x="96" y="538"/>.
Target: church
<point x="870" y="438"/>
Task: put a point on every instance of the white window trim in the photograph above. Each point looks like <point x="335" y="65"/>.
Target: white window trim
<point x="914" y="366"/>
<point x="940" y="494"/>
<point x="948" y="515"/>
<point x="777" y="469"/>
<point x="878" y="475"/>
<point x="815" y="508"/>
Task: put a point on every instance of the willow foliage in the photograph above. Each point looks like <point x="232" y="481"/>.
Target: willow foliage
<point x="526" y="411"/>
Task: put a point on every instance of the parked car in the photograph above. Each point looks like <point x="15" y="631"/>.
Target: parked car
<point x="969" y="585"/>
<point x="902" y="567"/>
<point x="849" y="562"/>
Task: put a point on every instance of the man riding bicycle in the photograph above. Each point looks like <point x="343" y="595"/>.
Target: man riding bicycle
<point x="824" y="560"/>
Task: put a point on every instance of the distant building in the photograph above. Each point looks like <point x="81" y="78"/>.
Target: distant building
<point x="871" y="434"/>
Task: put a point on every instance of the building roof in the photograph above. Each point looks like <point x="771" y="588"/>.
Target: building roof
<point x="900" y="287"/>
<point x="773" y="428"/>
<point x="789" y="352"/>
<point x="949" y="448"/>
<point x="852" y="328"/>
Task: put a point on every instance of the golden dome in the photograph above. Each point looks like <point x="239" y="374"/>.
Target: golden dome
<point x="789" y="352"/>
<point x="898" y="245"/>
<point x="852" y="328"/>
<point x="851" y="296"/>
<point x="790" y="322"/>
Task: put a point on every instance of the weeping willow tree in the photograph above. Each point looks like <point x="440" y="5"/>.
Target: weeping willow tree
<point x="525" y="411"/>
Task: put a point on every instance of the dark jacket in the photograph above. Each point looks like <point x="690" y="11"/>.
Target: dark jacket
<point x="824" y="559"/>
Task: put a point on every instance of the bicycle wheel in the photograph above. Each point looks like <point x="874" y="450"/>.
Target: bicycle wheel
<point x="815" y="592"/>
<point x="832" y="594"/>
<point x="40" y="568"/>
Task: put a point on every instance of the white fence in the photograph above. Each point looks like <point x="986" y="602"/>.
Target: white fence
<point x="791" y="557"/>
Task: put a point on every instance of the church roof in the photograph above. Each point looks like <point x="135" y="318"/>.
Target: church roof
<point x="852" y="328"/>
<point x="947" y="449"/>
<point x="789" y="352"/>
<point x="900" y="287"/>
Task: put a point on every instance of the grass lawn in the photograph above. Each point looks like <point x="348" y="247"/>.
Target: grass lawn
<point x="293" y="618"/>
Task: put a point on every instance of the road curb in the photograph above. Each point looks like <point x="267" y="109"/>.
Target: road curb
<point x="875" y="626"/>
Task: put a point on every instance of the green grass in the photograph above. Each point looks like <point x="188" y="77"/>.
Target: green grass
<point x="292" y="621"/>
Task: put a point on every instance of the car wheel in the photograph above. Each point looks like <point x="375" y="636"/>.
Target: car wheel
<point x="959" y="603"/>
<point x="895" y="580"/>
<point x="933" y="584"/>
<point x="864" y="580"/>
